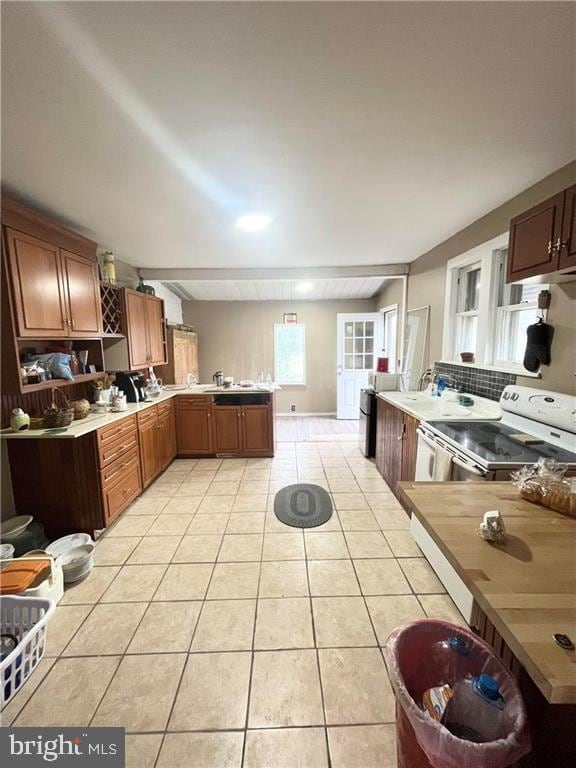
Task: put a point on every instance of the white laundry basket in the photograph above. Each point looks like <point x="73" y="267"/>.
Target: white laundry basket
<point x="25" y="618"/>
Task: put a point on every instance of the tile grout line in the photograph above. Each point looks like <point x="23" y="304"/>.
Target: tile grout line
<point x="317" y="655"/>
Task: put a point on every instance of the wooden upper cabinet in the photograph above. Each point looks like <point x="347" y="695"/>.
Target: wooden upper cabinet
<point x="257" y="434"/>
<point x="535" y="238"/>
<point x="568" y="241"/>
<point x="37" y="287"/>
<point x="227" y="429"/>
<point x="156" y="330"/>
<point x="144" y="329"/>
<point x="83" y="294"/>
<point x="136" y="329"/>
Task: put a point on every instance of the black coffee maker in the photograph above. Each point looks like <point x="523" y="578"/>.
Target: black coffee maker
<point x="132" y="383"/>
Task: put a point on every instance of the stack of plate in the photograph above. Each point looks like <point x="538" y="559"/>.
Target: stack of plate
<point x="75" y="554"/>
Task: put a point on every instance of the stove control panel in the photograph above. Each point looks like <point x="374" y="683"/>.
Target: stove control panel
<point x="552" y="408"/>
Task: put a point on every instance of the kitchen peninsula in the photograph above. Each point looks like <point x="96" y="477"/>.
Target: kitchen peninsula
<point x="524" y="593"/>
<point x="85" y="476"/>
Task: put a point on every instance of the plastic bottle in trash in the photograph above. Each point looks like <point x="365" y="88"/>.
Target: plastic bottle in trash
<point x="475" y="709"/>
<point x="446" y="662"/>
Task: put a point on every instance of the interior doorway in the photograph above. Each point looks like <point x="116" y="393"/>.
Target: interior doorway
<point x="360" y="339"/>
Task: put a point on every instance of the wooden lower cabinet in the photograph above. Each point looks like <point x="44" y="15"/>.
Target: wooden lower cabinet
<point x="245" y="430"/>
<point x="149" y="444"/>
<point x="227" y="421"/>
<point x="396" y="441"/>
<point x="194" y="427"/>
<point x="257" y="430"/>
<point x="157" y="436"/>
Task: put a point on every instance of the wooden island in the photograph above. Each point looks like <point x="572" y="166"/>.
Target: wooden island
<point x="524" y="591"/>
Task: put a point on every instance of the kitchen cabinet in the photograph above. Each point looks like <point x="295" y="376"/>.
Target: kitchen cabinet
<point x="228" y="429"/>
<point x="396" y="441"/>
<point x="568" y="242"/>
<point x="149" y="444"/>
<point x="145" y="331"/>
<point x="79" y="484"/>
<point x="168" y="444"/>
<point x="543" y="239"/>
<point x="194" y="425"/>
<point x="56" y="293"/>
<point x="157" y="438"/>
<point x="244" y="430"/>
<point x="257" y="433"/>
<point x="182" y="354"/>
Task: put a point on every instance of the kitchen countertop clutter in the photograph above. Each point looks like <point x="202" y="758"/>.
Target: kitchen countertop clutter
<point x="95" y="421"/>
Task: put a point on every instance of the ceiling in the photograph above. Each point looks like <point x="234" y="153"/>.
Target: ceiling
<point x="369" y="132"/>
<point x="276" y="290"/>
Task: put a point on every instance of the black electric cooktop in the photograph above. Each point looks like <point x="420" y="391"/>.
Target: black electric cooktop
<point x="494" y="443"/>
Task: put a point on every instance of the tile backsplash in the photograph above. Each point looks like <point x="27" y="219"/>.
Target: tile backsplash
<point x="476" y="381"/>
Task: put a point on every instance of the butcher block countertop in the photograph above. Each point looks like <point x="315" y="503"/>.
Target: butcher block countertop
<point x="526" y="586"/>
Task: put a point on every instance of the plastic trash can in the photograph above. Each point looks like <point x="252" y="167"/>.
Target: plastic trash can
<point x="414" y="666"/>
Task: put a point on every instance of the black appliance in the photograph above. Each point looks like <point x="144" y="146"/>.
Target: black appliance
<point x="367" y="428"/>
<point x="132" y="383"/>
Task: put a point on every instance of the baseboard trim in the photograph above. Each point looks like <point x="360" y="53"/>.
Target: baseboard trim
<point x="306" y="413"/>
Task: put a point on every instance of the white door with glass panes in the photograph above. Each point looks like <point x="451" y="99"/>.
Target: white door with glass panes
<point x="359" y="344"/>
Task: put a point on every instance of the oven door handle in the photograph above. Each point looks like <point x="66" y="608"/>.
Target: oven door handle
<point x="425" y="439"/>
<point x="468" y="467"/>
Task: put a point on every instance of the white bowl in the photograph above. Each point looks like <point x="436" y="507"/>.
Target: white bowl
<point x="60" y="546"/>
<point x="6" y="554"/>
<point x="12" y="528"/>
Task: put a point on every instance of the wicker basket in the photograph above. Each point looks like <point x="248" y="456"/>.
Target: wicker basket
<point x="56" y="416"/>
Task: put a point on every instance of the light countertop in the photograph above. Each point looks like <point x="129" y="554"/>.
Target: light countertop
<point x="96" y="421"/>
<point x="426" y="408"/>
<point x="525" y="586"/>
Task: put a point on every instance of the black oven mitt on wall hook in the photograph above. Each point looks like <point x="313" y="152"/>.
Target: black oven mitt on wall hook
<point x="538" y="342"/>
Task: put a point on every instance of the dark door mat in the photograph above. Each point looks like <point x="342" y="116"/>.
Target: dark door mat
<point x="303" y="505"/>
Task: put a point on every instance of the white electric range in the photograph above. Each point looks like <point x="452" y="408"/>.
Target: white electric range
<point x="535" y="424"/>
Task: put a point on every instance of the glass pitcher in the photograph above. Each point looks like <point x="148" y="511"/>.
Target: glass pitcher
<point x="153" y="388"/>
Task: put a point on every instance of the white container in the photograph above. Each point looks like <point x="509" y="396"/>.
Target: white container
<point x="6" y="554"/>
<point x="52" y="588"/>
<point x="475" y="710"/>
<point x="26" y="618"/>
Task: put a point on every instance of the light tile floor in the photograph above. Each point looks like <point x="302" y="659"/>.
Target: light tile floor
<point x="220" y="638"/>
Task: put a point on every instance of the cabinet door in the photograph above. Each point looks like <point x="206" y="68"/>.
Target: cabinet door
<point x="167" y="434"/>
<point x="568" y="243"/>
<point x="83" y="293"/>
<point x="409" y="446"/>
<point x="227" y="429"/>
<point x="37" y="287"/>
<point x="389" y="430"/>
<point x="136" y="326"/>
<point x="194" y="431"/>
<point x="149" y="451"/>
<point x="534" y="240"/>
<point x="257" y="430"/>
<point x="155" y="328"/>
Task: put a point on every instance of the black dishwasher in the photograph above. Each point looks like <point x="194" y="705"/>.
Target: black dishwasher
<point x="367" y="428"/>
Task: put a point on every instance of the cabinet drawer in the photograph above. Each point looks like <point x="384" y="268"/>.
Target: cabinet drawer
<point x="164" y="408"/>
<point x="113" y="473"/>
<point x="194" y="401"/>
<point x="117" y="448"/>
<point x="147" y="416"/>
<point x="118" y="496"/>
<point x="116" y="431"/>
